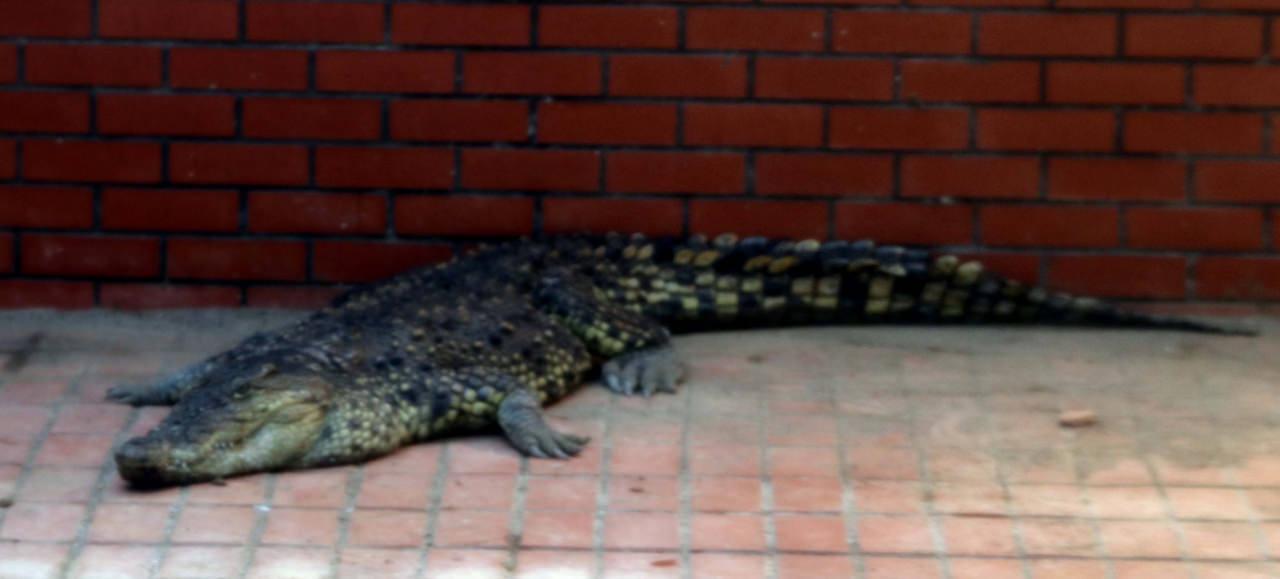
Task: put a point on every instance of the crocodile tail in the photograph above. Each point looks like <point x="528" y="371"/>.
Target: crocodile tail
<point x="701" y="283"/>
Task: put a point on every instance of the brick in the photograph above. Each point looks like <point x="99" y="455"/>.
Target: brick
<point x="134" y="296"/>
<point x="807" y="78"/>
<point x="1193" y="36"/>
<point x="658" y="217"/>
<point x="1237" y="181"/>
<point x="1193" y="132"/>
<point x="895" y="128"/>
<point x="8" y="159"/>
<point x="237" y="259"/>
<point x="382" y="167"/>
<point x="905" y="223"/>
<point x="824" y="174"/>
<point x="671" y="172"/>
<point x="1044" y="130"/>
<point x="234" y="68"/>
<point x="788" y="219"/>
<point x="1120" y="276"/>
<point x="91" y="162"/>
<point x="176" y="115"/>
<point x="1115" y="83"/>
<point x="48" y="18"/>
<point x="332" y="213"/>
<point x="530" y="170"/>
<point x="170" y="210"/>
<point x="169" y="19"/>
<point x="8" y="63"/>
<point x="608" y="27"/>
<point x="534" y="73"/>
<point x="238" y="164"/>
<point x="293" y="297"/>
<point x="82" y="256"/>
<point x="1050" y="226"/>
<point x="21" y="293"/>
<point x="941" y="81"/>
<point x="606" y="123"/>
<point x="1238" y="278"/>
<point x="902" y="32"/>
<point x="58" y="64"/>
<point x="1117" y="179"/>
<point x="753" y="125"/>
<point x="460" y="24"/>
<point x="377" y="71"/>
<point x="980" y="177"/>
<point x="754" y="29"/>
<point x="286" y="118"/>
<point x="360" y="261"/>
<point x="46" y="207"/>
<point x="464" y="215"/>
<point x="345" y="22"/>
<point x="44" y="112"/>
<point x="677" y="76"/>
<point x="1241" y="85"/>
<point x="459" y="120"/>
<point x="1048" y="34"/>
<point x="1200" y="228"/>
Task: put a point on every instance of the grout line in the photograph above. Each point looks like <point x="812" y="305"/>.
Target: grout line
<point x="171" y="525"/>
<point x="105" y="476"/>
<point x="38" y="441"/>
<point x="848" y="495"/>
<point x="926" y="479"/>
<point x="602" y="489"/>
<point x="982" y="394"/>
<point x="515" y="530"/>
<point x="685" y="509"/>
<point x="262" y="511"/>
<point x="434" y="499"/>
<point x="355" y="479"/>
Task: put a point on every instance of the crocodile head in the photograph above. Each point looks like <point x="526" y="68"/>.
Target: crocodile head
<point x="265" y="420"/>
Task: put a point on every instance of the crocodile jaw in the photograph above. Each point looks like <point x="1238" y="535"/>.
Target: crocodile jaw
<point x="270" y="428"/>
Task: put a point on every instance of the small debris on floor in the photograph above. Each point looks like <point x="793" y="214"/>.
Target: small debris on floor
<point x="1077" y="418"/>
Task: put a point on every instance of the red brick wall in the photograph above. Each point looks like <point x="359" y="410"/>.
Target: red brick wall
<point x="220" y="152"/>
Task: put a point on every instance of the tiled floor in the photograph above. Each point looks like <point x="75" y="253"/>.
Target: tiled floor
<point x="873" y="452"/>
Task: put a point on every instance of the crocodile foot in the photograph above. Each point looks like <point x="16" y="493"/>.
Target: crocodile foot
<point x="644" y="371"/>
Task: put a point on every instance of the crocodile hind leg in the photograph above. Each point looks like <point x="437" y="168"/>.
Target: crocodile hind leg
<point x="638" y="349"/>
<point x="520" y="416"/>
<point x="646" y="371"/>
<point x="164" y="392"/>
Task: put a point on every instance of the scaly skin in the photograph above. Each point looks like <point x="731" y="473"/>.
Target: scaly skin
<point x="489" y="339"/>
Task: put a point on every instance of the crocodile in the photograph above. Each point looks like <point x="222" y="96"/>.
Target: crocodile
<point x="486" y="340"/>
